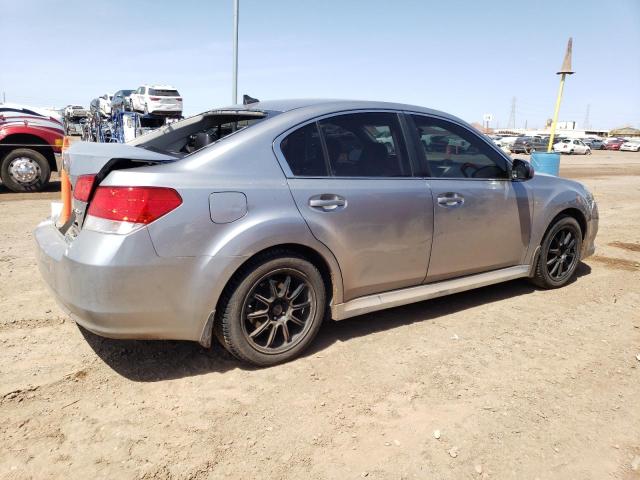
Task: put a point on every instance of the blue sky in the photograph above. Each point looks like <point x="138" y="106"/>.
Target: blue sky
<point x="464" y="57"/>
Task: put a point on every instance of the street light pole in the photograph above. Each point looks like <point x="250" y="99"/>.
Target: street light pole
<point x="236" y="14"/>
<point x="564" y="71"/>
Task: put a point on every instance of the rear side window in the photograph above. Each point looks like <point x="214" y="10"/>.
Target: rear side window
<point x="365" y="145"/>
<point x="303" y="151"/>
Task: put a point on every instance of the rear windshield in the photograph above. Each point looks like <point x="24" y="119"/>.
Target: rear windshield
<point x="163" y="93"/>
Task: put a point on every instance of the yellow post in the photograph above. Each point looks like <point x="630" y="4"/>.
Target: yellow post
<point x="564" y="71"/>
<point x="555" y="114"/>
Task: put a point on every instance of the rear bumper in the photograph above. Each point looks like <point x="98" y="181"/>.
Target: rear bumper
<point x="164" y="108"/>
<point x="117" y="286"/>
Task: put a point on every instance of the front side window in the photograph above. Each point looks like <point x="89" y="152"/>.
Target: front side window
<point x="365" y="145"/>
<point x="452" y="151"/>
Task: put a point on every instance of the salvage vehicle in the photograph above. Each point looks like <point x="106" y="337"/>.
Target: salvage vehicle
<point x="30" y="141"/>
<point x="614" y="143"/>
<point x="75" y="117"/>
<point x="529" y="145"/>
<point x="630" y="146"/>
<point x="157" y="99"/>
<point x="253" y="223"/>
<point x="121" y="101"/>
<point x="594" y="143"/>
<point x="571" y="146"/>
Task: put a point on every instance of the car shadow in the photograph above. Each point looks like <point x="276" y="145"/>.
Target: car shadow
<point x="424" y="311"/>
<point x="157" y="360"/>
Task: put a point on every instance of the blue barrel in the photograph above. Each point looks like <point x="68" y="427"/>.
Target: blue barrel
<point x="544" y="162"/>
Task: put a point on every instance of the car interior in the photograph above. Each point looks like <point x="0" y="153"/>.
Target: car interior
<point x="448" y="155"/>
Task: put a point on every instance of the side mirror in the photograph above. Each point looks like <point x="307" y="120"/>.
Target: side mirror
<point x="521" y="170"/>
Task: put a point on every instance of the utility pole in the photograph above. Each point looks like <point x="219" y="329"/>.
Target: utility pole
<point x="564" y="71"/>
<point x="586" y="125"/>
<point x="4" y="97"/>
<point x="512" y="116"/>
<point x="236" y="15"/>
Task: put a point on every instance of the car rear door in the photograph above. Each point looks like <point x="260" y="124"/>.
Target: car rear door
<point x="482" y="220"/>
<point x="352" y="181"/>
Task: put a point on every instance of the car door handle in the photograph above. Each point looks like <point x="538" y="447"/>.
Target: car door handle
<point x="327" y="202"/>
<point x="450" y="199"/>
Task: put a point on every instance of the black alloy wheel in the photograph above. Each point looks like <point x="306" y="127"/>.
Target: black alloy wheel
<point x="562" y="254"/>
<point x="277" y="311"/>
<point x="272" y="308"/>
<point x="559" y="254"/>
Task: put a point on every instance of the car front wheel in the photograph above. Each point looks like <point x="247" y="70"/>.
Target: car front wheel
<point x="559" y="254"/>
<point x="271" y="311"/>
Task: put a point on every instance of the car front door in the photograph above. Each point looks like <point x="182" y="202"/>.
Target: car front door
<point x="482" y="220"/>
<point x="352" y="181"/>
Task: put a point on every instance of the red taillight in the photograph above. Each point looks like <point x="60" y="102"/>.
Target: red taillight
<point x="133" y="204"/>
<point x="179" y="99"/>
<point x="83" y="187"/>
<point x="154" y="98"/>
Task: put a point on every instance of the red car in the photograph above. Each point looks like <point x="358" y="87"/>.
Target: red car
<point x="30" y="142"/>
<point x="613" y="144"/>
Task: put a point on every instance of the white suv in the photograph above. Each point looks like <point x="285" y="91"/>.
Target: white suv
<point x="159" y="99"/>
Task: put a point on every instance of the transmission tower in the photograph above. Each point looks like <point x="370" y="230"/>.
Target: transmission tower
<point x="512" y="116"/>
<point x="586" y="125"/>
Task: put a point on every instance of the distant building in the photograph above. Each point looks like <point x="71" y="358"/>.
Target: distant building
<point x="625" y="132"/>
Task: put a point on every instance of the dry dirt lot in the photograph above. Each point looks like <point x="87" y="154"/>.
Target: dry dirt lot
<point x="520" y="383"/>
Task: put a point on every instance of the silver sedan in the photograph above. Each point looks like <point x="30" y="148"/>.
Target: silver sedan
<point x="255" y="223"/>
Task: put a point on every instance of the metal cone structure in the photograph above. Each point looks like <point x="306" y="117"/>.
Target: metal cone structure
<point x="566" y="64"/>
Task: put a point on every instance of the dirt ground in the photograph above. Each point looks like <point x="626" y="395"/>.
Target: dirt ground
<point x="520" y="383"/>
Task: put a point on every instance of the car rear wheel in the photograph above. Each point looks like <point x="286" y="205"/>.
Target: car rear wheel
<point x="272" y="309"/>
<point x="25" y="170"/>
<point x="559" y="254"/>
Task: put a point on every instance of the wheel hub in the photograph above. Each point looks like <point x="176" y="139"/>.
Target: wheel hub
<point x="277" y="310"/>
<point x="24" y="170"/>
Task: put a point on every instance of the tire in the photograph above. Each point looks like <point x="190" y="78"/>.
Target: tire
<point x="261" y="340"/>
<point x="554" y="274"/>
<point x="34" y="174"/>
<point x="588" y="151"/>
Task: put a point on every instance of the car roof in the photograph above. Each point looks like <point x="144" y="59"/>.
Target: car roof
<point x="161" y="87"/>
<point x="318" y="106"/>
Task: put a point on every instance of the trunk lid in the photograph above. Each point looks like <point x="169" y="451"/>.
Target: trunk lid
<point x="87" y="158"/>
